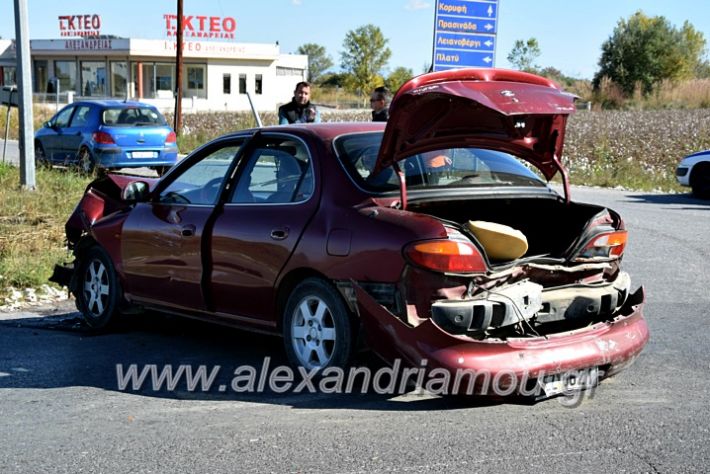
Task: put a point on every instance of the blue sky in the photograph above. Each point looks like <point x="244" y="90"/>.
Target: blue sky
<point x="570" y="32"/>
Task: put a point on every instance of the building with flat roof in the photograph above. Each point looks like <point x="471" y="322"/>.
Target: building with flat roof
<point x="216" y="75"/>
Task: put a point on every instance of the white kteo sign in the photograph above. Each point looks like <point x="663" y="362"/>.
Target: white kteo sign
<point x="80" y="25"/>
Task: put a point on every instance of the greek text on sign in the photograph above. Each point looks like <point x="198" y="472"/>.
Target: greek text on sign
<point x="466" y="8"/>
<point x="79" y="25"/>
<point x="465" y="25"/>
<point x="200" y="26"/>
<point x="465" y="41"/>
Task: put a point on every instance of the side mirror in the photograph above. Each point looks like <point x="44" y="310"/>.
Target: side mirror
<point x="137" y="191"/>
<point x="48" y="124"/>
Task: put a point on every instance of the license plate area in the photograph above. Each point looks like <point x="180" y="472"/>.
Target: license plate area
<point x="143" y="154"/>
<point x="569" y="382"/>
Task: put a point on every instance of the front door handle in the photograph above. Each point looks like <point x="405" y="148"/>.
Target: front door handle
<point x="279" y="234"/>
<point x="188" y="230"/>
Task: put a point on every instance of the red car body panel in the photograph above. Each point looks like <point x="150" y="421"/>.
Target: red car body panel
<point x="610" y="345"/>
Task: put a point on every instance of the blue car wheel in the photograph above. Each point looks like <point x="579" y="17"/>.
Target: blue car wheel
<point x="84" y="161"/>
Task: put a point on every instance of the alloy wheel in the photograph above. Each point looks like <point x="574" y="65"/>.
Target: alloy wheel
<point x="313" y="333"/>
<point x="96" y="288"/>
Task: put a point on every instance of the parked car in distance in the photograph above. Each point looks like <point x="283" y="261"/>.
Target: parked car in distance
<point x="694" y="171"/>
<point x="435" y="236"/>
<point x="107" y="134"/>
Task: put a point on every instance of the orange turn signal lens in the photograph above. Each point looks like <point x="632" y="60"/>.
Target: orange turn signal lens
<point x="608" y="245"/>
<point x="449" y="256"/>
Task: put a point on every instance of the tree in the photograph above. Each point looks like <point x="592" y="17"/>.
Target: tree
<point x="365" y="55"/>
<point x="318" y="60"/>
<point x="398" y="77"/>
<point x="524" y="54"/>
<point x="647" y="50"/>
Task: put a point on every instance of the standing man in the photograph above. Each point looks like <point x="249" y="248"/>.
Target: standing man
<point x="378" y="102"/>
<point x="299" y="110"/>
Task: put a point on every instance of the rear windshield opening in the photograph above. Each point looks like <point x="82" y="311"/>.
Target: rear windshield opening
<point x="132" y="116"/>
<point x="445" y="168"/>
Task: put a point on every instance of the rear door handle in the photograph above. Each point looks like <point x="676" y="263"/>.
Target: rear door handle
<point x="279" y="234"/>
<point x="188" y="230"/>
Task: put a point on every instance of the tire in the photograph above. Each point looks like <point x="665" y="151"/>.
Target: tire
<point x="700" y="181"/>
<point x="41" y="160"/>
<point x="99" y="291"/>
<point x="161" y="170"/>
<point x="317" y="327"/>
<point x="85" y="162"/>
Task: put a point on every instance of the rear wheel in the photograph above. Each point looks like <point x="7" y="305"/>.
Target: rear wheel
<point x="317" y="327"/>
<point x="85" y="162"/>
<point x="99" y="292"/>
<point x="40" y="156"/>
<point x="700" y="180"/>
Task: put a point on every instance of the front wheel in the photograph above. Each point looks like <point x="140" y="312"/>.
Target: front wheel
<point x="317" y="327"/>
<point x="40" y="156"/>
<point x="99" y="292"/>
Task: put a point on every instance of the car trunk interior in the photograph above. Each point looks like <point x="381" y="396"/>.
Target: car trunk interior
<point x="550" y="225"/>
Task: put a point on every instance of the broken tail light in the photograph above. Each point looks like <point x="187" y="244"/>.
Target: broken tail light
<point x="444" y="255"/>
<point x="606" y="246"/>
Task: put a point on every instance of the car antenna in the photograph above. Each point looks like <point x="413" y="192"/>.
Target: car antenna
<point x="253" y="111"/>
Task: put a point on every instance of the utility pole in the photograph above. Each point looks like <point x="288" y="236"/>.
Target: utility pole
<point x="27" y="143"/>
<point x="177" y="121"/>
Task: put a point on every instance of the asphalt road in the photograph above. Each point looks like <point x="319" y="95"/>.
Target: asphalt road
<point x="61" y="410"/>
<point x="12" y="152"/>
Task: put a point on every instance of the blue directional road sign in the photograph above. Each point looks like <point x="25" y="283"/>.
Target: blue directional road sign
<point x="465" y="34"/>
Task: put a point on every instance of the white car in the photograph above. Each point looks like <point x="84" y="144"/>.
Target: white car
<point x="694" y="171"/>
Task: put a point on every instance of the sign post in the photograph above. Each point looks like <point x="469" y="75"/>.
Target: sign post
<point x="464" y="34"/>
<point x="27" y="143"/>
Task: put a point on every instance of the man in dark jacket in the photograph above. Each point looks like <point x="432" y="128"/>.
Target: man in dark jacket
<point x="378" y="102"/>
<point x="299" y="110"/>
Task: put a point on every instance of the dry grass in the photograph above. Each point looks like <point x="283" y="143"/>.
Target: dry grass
<point x="633" y="149"/>
<point x="32" y="225"/>
<point x="39" y="115"/>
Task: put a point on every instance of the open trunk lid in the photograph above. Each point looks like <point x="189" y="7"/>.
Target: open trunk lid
<point x="511" y="111"/>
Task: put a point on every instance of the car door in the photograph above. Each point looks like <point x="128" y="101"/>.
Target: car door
<point x="161" y="242"/>
<point x="259" y="227"/>
<point x="52" y="142"/>
<point x="80" y="125"/>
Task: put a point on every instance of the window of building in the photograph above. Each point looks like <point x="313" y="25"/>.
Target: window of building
<point x="9" y="77"/>
<point x="93" y="78"/>
<point x="65" y="71"/>
<point x="257" y="84"/>
<point x="288" y="71"/>
<point x="164" y="80"/>
<point x="194" y="83"/>
<point x="242" y="83"/>
<point x="119" y="79"/>
<point x="40" y="76"/>
<point x="227" y="84"/>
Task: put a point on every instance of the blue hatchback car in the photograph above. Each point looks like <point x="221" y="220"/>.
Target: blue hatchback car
<point x="107" y="134"/>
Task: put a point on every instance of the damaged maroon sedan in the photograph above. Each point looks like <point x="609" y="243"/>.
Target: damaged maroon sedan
<point x="436" y="238"/>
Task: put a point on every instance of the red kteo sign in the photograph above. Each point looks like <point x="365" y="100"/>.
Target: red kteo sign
<point x="200" y="26"/>
<point x="79" y="25"/>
